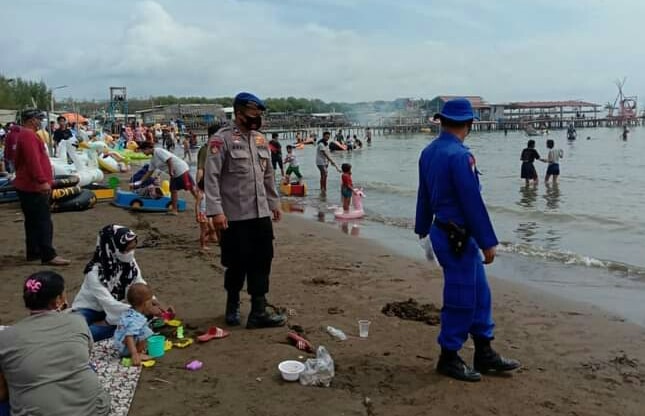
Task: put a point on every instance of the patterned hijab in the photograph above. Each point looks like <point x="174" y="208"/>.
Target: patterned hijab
<point x="113" y="273"/>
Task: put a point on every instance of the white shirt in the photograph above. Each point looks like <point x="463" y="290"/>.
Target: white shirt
<point x="160" y="158"/>
<point x="94" y="295"/>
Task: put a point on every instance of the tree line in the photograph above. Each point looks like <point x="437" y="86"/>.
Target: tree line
<point x="18" y="94"/>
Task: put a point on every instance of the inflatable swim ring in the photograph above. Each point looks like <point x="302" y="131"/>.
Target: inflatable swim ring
<point x="356" y="211"/>
<point x="81" y="202"/>
<point x="63" y="194"/>
<point x="334" y="145"/>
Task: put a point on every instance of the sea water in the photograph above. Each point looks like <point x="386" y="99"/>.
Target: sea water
<point x="582" y="239"/>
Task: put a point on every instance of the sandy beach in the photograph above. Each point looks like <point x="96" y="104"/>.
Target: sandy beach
<point x="578" y="360"/>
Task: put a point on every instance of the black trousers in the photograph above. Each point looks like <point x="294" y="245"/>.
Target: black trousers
<point x="247" y="253"/>
<point x="39" y="229"/>
<point x="276" y="160"/>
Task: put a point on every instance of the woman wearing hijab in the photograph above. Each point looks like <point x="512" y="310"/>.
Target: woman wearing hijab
<point x="108" y="275"/>
<point x="44" y="357"/>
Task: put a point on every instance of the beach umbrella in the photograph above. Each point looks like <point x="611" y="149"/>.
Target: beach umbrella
<point x="75" y="118"/>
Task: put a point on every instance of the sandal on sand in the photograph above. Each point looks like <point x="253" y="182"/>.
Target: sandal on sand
<point x="300" y="342"/>
<point x="183" y="343"/>
<point x="213" y="333"/>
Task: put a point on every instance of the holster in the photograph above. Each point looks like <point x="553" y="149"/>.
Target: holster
<point x="457" y="236"/>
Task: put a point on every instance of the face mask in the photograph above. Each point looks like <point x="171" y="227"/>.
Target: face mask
<point x="125" y="257"/>
<point x="252" y="123"/>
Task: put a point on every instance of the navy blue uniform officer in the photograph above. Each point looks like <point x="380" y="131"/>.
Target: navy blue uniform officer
<point x="451" y="210"/>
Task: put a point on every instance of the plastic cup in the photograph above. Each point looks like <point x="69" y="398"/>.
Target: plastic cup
<point x="156" y="344"/>
<point x="363" y="328"/>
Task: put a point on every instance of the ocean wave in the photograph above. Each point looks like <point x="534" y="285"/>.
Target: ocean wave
<point x="571" y="258"/>
<point x="534" y="251"/>
<point x="560" y="216"/>
<point x="388" y="188"/>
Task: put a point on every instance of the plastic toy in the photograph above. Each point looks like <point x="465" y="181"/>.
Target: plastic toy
<point x="194" y="365"/>
<point x="357" y="209"/>
<point x="135" y="202"/>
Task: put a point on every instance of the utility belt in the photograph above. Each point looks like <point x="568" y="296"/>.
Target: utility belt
<point x="457" y="236"/>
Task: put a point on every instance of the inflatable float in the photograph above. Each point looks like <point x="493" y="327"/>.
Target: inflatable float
<point x="136" y="202"/>
<point x="84" y="164"/>
<point x="80" y="202"/>
<point x="293" y="189"/>
<point x="7" y="191"/>
<point x="357" y="209"/>
<point x="334" y="145"/>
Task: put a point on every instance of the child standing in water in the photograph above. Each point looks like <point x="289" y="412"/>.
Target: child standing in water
<point x="133" y="330"/>
<point x="292" y="166"/>
<point x="553" y="159"/>
<point x="347" y="186"/>
<point x="528" y="156"/>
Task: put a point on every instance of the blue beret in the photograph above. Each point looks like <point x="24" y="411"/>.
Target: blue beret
<point x="246" y="98"/>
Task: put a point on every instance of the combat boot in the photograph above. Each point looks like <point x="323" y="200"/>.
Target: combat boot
<point x="487" y="359"/>
<point x="450" y="364"/>
<point x="261" y="318"/>
<point x="233" y="309"/>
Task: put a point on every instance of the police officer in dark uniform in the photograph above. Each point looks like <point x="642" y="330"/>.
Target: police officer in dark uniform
<point x="451" y="210"/>
<point x="241" y="199"/>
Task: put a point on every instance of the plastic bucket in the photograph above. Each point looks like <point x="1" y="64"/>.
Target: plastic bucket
<point x="156" y="346"/>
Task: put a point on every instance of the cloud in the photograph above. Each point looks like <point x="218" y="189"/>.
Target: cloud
<point x="335" y="50"/>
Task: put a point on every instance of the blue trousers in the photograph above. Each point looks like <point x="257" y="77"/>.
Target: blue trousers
<point x="467" y="305"/>
<point x="99" y="332"/>
<point x="4" y="409"/>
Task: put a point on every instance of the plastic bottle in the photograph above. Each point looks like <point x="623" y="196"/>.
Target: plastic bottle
<point x="336" y="333"/>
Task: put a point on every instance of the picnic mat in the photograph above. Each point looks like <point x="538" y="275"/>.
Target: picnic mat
<point x="121" y="382"/>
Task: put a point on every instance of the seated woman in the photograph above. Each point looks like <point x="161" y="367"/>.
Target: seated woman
<point x="44" y="358"/>
<point x="107" y="278"/>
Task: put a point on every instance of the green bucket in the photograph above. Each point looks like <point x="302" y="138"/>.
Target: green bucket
<point x="156" y="346"/>
<point x="113" y="182"/>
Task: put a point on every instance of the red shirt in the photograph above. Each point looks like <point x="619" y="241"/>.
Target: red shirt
<point x="346" y="179"/>
<point x="33" y="167"/>
<point x="10" y="143"/>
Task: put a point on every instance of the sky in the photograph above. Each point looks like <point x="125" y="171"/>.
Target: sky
<point x="336" y="50"/>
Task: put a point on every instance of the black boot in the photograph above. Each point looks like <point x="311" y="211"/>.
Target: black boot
<point x="261" y="318"/>
<point x="450" y="364"/>
<point x="486" y="359"/>
<point x="233" y="309"/>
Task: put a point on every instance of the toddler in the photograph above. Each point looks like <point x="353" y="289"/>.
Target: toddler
<point x="133" y="330"/>
<point x="206" y="229"/>
<point x="347" y="186"/>
<point x="293" y="166"/>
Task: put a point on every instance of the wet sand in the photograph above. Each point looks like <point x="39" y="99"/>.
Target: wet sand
<point x="578" y="360"/>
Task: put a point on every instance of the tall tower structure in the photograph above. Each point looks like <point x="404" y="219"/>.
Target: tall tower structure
<point x="118" y="105"/>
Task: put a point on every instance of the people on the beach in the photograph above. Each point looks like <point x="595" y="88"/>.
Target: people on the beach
<point x="203" y="153"/>
<point x="368" y="135"/>
<point x="571" y="132"/>
<point x="346" y="185"/>
<point x="109" y="273"/>
<point x="62" y="133"/>
<point x="276" y="152"/>
<point x="133" y="330"/>
<point x="207" y="231"/>
<point x="241" y="198"/>
<point x="553" y="160"/>
<point x="186" y="146"/>
<point x="350" y="143"/>
<point x="179" y="171"/>
<point x="451" y="210"/>
<point x="44" y="357"/>
<point x="323" y="159"/>
<point x="528" y="156"/>
<point x="10" y="144"/>
<point x="292" y="165"/>
<point x="625" y="133"/>
<point x="339" y="137"/>
<point x="33" y="183"/>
